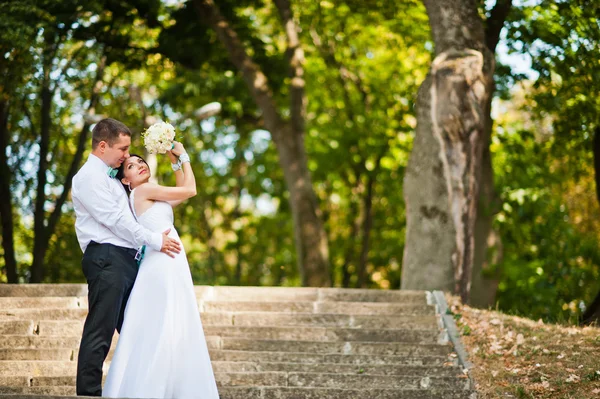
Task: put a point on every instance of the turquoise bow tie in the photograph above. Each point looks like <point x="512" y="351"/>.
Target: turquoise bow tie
<point x="112" y="172"/>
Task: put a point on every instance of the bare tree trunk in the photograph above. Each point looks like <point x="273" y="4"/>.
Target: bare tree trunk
<point x="592" y="313"/>
<point x="368" y="221"/>
<point x="366" y="232"/>
<point x="442" y="180"/>
<point x="6" y="209"/>
<point x="310" y="236"/>
<point x="39" y="229"/>
<point x="349" y="254"/>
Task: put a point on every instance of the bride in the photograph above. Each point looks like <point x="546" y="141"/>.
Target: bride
<point x="162" y="351"/>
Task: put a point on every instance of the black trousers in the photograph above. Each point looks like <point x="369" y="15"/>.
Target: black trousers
<point x="110" y="272"/>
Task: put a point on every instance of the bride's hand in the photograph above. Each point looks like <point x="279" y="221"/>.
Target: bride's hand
<point x="178" y="149"/>
<point x="172" y="156"/>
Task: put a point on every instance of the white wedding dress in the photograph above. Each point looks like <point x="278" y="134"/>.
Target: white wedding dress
<point x="162" y="351"/>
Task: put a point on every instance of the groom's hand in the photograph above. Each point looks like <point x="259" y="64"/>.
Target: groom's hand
<point x="170" y="246"/>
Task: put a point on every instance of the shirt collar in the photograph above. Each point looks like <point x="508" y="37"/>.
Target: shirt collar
<point x="97" y="163"/>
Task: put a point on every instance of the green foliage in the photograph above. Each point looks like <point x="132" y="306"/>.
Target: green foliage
<point x="544" y="165"/>
<point x="549" y="258"/>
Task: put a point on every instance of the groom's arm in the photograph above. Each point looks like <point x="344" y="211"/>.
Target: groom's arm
<point x="101" y="204"/>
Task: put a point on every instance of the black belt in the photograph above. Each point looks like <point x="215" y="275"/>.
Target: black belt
<point x="130" y="251"/>
<point x="137" y="254"/>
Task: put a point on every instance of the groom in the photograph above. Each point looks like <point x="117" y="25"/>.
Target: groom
<point x="108" y="235"/>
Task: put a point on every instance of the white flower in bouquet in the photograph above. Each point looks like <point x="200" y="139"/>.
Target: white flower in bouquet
<point x="159" y="137"/>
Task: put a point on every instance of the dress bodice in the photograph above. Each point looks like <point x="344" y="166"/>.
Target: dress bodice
<point x="158" y="217"/>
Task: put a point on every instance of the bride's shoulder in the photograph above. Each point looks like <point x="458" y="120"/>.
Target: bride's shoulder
<point x="144" y="191"/>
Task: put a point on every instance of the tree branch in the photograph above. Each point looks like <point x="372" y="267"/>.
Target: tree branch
<point x="495" y="23"/>
<point x="295" y="56"/>
<point x="255" y="79"/>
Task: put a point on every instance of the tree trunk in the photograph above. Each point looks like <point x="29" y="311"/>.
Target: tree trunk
<point x="310" y="236"/>
<point x="6" y="211"/>
<point x="350" y="242"/>
<point x="592" y="313"/>
<point x="483" y="289"/>
<point x="366" y="231"/>
<point x="288" y="136"/>
<point x="427" y="261"/>
<point x="39" y="229"/>
<point x="443" y="176"/>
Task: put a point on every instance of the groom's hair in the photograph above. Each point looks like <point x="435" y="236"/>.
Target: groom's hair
<point x="108" y="130"/>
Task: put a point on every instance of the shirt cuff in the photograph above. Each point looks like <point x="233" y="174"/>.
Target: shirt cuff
<point x="156" y="241"/>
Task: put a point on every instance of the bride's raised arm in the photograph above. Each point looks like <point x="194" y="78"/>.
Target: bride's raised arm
<point x="177" y="169"/>
<point x="184" y="177"/>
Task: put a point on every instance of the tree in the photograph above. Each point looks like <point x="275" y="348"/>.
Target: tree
<point x="67" y="52"/>
<point x="288" y="135"/>
<point x="443" y="181"/>
<point x="364" y="65"/>
<point x="15" y="39"/>
<point x="562" y="39"/>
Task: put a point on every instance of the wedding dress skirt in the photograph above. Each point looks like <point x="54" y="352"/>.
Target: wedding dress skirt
<point x="162" y="350"/>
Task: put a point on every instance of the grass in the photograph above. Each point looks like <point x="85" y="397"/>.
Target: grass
<point x="515" y="357"/>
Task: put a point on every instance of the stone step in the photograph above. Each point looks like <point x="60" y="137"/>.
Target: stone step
<point x="16" y="327"/>
<point x="293" y="379"/>
<point x="324" y="334"/>
<point x="43" y="290"/>
<point x="35" y="304"/>
<point x="332" y="393"/>
<point x="8" y="342"/>
<point x="245" y="356"/>
<point x="299" y="379"/>
<point x="338" y="368"/>
<point x="68" y="369"/>
<point x="46" y="391"/>
<point x="226" y="293"/>
<point x="354" y="308"/>
<point x="44" y="327"/>
<point x="44" y="314"/>
<point x="10" y="303"/>
<point x="317" y="358"/>
<point x="363" y="381"/>
<point x="347" y="348"/>
<point x="37" y="342"/>
<point x="37" y="369"/>
<point x="37" y="354"/>
<point x="50" y="392"/>
<point x="70" y="321"/>
<point x="308" y="294"/>
<point x="271" y="378"/>
<point x="321" y="320"/>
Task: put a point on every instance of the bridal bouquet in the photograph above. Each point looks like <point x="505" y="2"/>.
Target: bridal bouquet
<point x="159" y="137"/>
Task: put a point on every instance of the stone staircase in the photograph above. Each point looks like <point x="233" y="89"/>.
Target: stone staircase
<point x="265" y="342"/>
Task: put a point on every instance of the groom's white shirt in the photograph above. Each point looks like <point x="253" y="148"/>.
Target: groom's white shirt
<point x="102" y="210"/>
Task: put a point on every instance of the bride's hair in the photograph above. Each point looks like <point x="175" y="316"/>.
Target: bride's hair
<point x="121" y="171"/>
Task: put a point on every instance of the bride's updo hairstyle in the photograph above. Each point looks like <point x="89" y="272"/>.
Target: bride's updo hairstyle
<point x="121" y="171"/>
